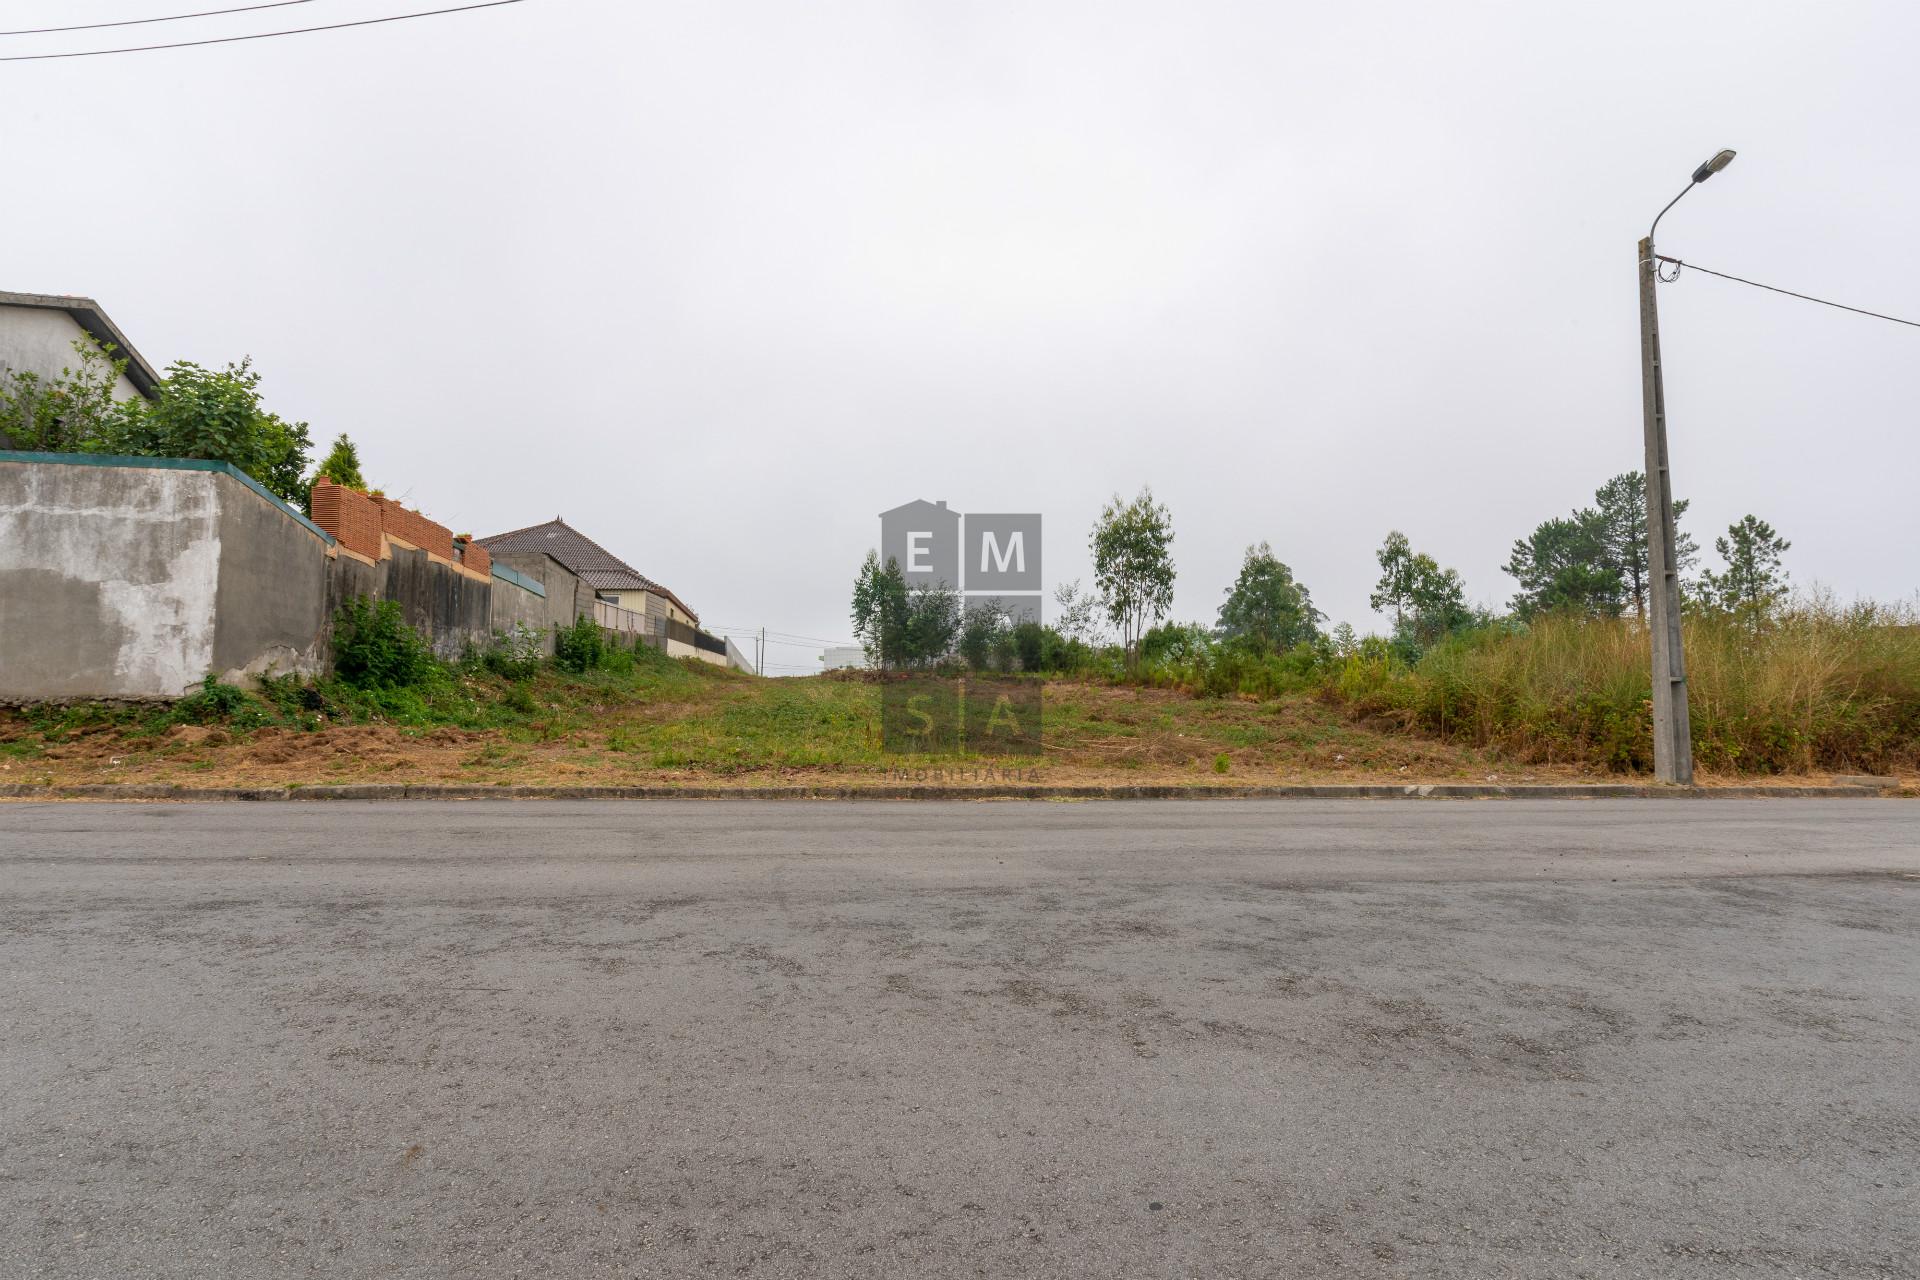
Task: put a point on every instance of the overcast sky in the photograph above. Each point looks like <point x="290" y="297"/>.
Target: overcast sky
<point x="720" y="282"/>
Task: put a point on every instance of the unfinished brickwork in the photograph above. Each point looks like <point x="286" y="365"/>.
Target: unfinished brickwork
<point x="350" y="516"/>
<point x="365" y="525"/>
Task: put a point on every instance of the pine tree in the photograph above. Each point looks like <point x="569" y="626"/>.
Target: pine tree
<point x="342" y="465"/>
<point x="1622" y="507"/>
<point x="1753" y="582"/>
<point x="1566" y="566"/>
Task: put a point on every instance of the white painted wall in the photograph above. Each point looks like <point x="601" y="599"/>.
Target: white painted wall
<point x="40" y="340"/>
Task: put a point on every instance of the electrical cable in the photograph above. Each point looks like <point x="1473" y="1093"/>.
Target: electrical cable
<point x="784" y="637"/>
<point x="771" y="639"/>
<point x="1677" y="264"/>
<point x="136" y="22"/>
<point x="259" y="35"/>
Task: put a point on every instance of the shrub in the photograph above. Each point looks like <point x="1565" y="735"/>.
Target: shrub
<point x="374" y="648"/>
<point x="580" y="646"/>
<point x="1174" y="642"/>
<point x="77" y="412"/>
<point x="215" y="701"/>
<point x="514" y="653"/>
<point x="618" y="658"/>
<point x="1033" y="646"/>
<point x="986" y="643"/>
<point x="1190" y="659"/>
<point x="293" y="697"/>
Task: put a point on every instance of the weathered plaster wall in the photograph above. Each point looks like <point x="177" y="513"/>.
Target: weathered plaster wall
<point x="268" y="610"/>
<point x="108" y="580"/>
<point x="120" y="580"/>
<point x="447" y="606"/>
<point x="40" y="340"/>
<point x="515" y="604"/>
<point x="567" y="597"/>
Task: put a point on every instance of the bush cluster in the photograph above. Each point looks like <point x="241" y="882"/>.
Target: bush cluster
<point x="374" y="648"/>
<point x="212" y="702"/>
<point x="580" y="647"/>
<point x="515" y="653"/>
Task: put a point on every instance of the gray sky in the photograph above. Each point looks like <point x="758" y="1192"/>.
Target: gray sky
<point x="719" y="283"/>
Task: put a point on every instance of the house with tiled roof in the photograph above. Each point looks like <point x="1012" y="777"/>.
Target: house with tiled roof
<point x="644" y="604"/>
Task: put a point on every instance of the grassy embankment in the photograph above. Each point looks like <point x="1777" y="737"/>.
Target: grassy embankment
<point x="1819" y="691"/>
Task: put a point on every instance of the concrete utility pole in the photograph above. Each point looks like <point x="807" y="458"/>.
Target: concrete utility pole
<point x="1672" y="732"/>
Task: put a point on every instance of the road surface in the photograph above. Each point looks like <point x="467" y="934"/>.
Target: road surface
<point x="1465" y="1039"/>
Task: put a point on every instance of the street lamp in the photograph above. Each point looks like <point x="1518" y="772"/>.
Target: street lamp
<point x="1672" y="736"/>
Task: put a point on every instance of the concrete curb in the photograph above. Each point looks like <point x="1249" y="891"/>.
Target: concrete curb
<point x="1329" y="791"/>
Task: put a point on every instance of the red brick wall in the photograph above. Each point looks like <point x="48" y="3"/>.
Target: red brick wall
<point x="350" y="516"/>
<point x="476" y="557"/>
<point x="412" y="527"/>
<point x="356" y="520"/>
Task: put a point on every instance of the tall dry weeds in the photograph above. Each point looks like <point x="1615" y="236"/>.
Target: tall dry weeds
<point x="1821" y="686"/>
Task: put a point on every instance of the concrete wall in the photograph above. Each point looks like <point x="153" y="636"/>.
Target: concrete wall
<point x="268" y="610"/>
<point x="567" y="597"/>
<point x="449" y="607"/>
<point x="515" y="604"/>
<point x="134" y="582"/>
<point x="132" y="579"/>
<point x="40" y="340"/>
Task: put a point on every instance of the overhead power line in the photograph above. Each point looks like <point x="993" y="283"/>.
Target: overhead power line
<point x="783" y="636"/>
<point x="788" y="635"/>
<point x="258" y="35"/>
<point x="787" y="644"/>
<point x="1790" y="293"/>
<point x="136" y="22"/>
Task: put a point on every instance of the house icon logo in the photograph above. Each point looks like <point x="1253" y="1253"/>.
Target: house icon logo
<point x="923" y="538"/>
<point x="991" y="559"/>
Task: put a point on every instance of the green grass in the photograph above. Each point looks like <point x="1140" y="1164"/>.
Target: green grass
<point x="1820" y="688"/>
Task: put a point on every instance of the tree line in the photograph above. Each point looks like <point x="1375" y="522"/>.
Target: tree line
<point x="1591" y="563"/>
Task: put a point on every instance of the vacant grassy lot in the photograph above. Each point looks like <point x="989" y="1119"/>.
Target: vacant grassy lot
<point x="1816" y="692"/>
<point x="687" y="722"/>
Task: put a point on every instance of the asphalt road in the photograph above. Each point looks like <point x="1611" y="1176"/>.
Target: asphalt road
<point x="1525" y="1039"/>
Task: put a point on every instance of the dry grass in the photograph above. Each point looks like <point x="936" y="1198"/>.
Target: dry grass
<point x="1820" y="688"/>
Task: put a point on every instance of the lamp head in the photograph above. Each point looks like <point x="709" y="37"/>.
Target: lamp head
<point x="1721" y="159"/>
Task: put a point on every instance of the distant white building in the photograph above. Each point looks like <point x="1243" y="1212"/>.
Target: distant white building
<point x="843" y="655"/>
